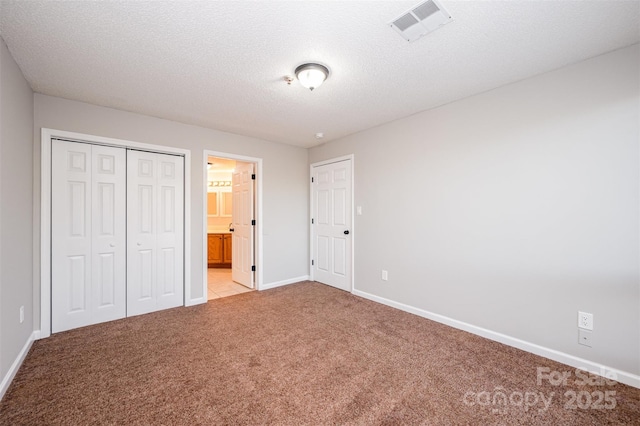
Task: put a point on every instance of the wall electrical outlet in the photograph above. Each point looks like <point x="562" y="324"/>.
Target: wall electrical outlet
<point x="584" y="337"/>
<point x="585" y="320"/>
<point x="385" y="275"/>
<point x="21" y="314"/>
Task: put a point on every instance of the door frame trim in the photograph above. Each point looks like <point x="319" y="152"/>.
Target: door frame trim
<point x="257" y="243"/>
<point x="45" y="211"/>
<point x="351" y="158"/>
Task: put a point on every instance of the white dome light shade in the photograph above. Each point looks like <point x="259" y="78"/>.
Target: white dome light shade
<point x="312" y="76"/>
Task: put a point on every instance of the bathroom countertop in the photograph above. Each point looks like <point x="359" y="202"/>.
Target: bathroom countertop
<point x="218" y="231"/>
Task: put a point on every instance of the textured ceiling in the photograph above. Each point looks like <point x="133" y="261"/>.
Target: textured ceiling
<point x="220" y="64"/>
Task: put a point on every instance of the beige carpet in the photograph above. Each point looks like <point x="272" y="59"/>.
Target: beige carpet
<point x="301" y="354"/>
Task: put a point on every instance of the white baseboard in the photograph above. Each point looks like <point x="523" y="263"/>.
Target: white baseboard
<point x="284" y="282"/>
<point x="8" y="378"/>
<point x="564" y="358"/>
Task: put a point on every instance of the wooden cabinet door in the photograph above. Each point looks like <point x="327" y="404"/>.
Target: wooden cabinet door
<point x="212" y="204"/>
<point x="214" y="249"/>
<point x="226" y="204"/>
<point x="227" y="253"/>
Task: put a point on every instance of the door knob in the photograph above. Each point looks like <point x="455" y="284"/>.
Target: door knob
<point x="346" y="232"/>
<point x="139" y="244"/>
<point x="112" y="245"/>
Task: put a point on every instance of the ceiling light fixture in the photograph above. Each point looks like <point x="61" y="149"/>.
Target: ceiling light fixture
<point x="312" y="75"/>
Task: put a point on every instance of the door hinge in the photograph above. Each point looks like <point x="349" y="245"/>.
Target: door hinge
<point x="253" y="222"/>
<point x="312" y="221"/>
<point x="253" y="268"/>
<point x="312" y="262"/>
<point x="253" y="176"/>
<point x="311" y="180"/>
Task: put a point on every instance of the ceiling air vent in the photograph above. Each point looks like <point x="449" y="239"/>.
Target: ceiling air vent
<point x="421" y="19"/>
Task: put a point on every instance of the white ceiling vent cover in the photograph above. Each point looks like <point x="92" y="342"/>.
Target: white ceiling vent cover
<point x="421" y="19"/>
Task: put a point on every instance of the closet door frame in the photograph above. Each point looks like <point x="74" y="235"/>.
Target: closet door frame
<point x="45" y="213"/>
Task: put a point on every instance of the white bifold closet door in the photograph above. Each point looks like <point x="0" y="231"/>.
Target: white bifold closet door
<point x="88" y="250"/>
<point x="155" y="235"/>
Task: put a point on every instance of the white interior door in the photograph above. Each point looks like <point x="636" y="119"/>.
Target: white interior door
<point x="155" y="232"/>
<point x="88" y="250"/>
<point x="242" y="243"/>
<point x="332" y="224"/>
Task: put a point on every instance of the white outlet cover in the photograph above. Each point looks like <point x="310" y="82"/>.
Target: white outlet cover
<point x="585" y="320"/>
<point x="584" y="338"/>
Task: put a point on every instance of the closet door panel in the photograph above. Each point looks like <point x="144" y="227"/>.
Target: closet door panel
<point x="155" y="234"/>
<point x="71" y="235"/>
<point x="108" y="231"/>
<point x="141" y="232"/>
<point x="170" y="232"/>
<point x="88" y="234"/>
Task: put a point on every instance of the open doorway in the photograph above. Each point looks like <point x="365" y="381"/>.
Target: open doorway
<point x="231" y="204"/>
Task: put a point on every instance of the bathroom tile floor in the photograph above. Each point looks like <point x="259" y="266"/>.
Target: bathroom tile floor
<point x="220" y="284"/>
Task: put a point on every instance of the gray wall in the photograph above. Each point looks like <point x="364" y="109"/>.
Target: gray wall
<point x="285" y="171"/>
<point x="16" y="186"/>
<point x="513" y="209"/>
